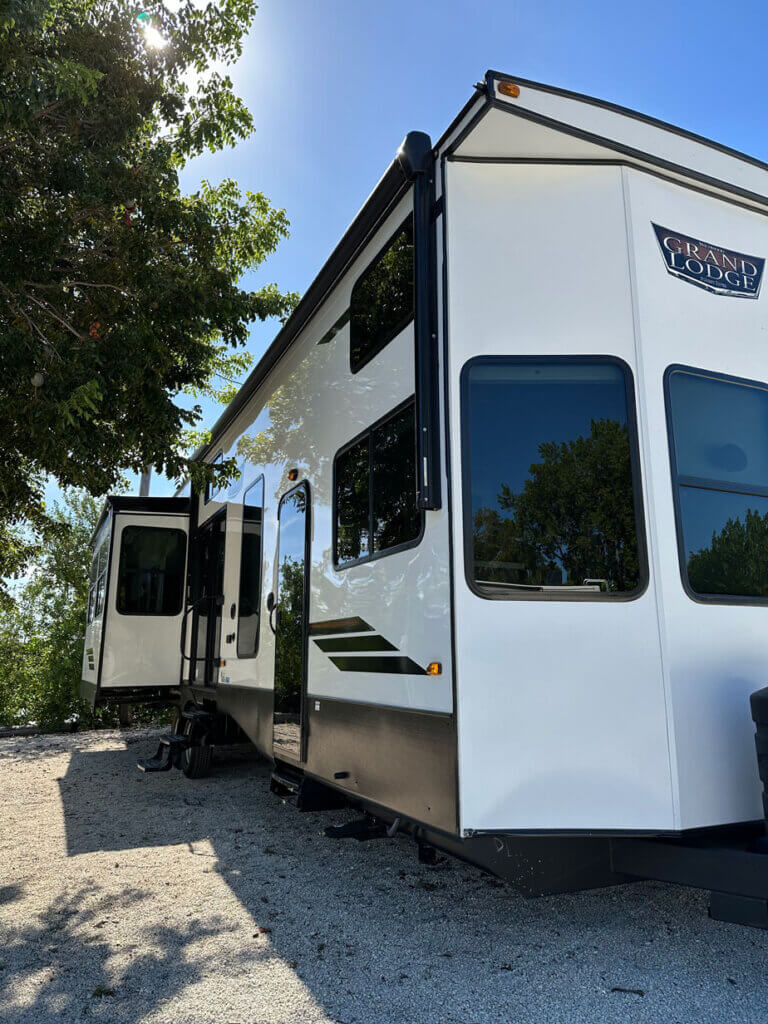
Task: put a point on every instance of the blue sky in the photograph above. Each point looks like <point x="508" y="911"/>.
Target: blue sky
<point x="335" y="86"/>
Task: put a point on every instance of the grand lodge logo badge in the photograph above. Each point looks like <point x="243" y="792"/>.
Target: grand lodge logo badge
<point x="721" y="271"/>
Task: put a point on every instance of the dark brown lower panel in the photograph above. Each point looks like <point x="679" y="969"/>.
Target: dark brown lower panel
<point x="249" y="706"/>
<point x="537" y="865"/>
<point x="396" y="758"/>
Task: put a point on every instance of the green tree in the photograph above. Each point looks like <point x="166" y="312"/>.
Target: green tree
<point x="290" y="659"/>
<point x="118" y="293"/>
<point x="575" y="513"/>
<point x="736" y="562"/>
<point x="41" y="635"/>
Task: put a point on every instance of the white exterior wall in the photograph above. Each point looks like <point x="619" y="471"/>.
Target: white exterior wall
<point x="561" y="705"/>
<point x="715" y="655"/>
<point x="309" y="407"/>
<point x="140" y="650"/>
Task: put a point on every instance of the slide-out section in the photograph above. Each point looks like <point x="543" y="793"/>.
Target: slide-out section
<point x="136" y="608"/>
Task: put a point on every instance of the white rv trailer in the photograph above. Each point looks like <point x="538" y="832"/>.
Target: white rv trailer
<point x="495" y="569"/>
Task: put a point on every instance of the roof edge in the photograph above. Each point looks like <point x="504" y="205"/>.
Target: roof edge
<point x="412" y="158"/>
<point x="616" y="108"/>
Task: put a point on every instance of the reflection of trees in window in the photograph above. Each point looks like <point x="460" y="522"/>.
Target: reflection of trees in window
<point x="381" y="303"/>
<point x="573" y="521"/>
<point x="289" y="664"/>
<point x="352" y="512"/>
<point x="396" y="518"/>
<point x="375" y="482"/>
<point x="736" y="561"/>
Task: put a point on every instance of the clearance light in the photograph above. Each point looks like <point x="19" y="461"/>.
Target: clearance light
<point x="434" y="668"/>
<point x="293" y="474"/>
<point x="509" y="89"/>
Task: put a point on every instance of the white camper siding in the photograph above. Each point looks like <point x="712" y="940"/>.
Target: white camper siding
<point x="310" y="406"/>
<point x="561" y="705"/>
<point x="595" y="130"/>
<point x="715" y="654"/>
<point x="140" y="650"/>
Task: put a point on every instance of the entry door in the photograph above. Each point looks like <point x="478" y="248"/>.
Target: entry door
<point x="206" y="627"/>
<point x="292" y="607"/>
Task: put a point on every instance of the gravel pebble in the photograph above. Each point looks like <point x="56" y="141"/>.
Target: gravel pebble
<point x="157" y="899"/>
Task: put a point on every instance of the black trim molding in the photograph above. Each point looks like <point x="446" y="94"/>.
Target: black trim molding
<point x="388" y="664"/>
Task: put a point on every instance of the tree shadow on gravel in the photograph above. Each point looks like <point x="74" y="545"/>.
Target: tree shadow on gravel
<point x="370" y="933"/>
<point x="54" y="968"/>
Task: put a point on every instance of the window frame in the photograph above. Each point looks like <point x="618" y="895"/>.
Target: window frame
<point x="99" y="576"/>
<point x="150" y="615"/>
<point x="374" y="556"/>
<point x="246" y="657"/>
<point x="389" y="336"/>
<point x="635" y="465"/>
<point x="208" y="496"/>
<point x="703" y="484"/>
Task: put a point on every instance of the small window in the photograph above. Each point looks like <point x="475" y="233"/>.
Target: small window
<point x="382" y="301"/>
<point x="211" y="490"/>
<point x="719" y="448"/>
<point x="375" y="490"/>
<point x="99" y="565"/>
<point x="552" y="503"/>
<point x="249" y="606"/>
<point x="151" y="574"/>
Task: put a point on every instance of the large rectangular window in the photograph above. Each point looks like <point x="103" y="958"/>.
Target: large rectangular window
<point x="552" y="499"/>
<point x="382" y="301"/>
<point x="719" y="451"/>
<point x="249" y="606"/>
<point x="151" y="574"/>
<point x="375" y="490"/>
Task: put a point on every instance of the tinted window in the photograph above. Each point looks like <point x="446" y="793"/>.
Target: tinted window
<point x="151" y="575"/>
<point x="396" y="518"/>
<point x="550" y="495"/>
<point x="376" y="490"/>
<point x="249" y="607"/>
<point x="720" y="463"/>
<point x="353" y="519"/>
<point x="382" y="299"/>
<point x="290" y="641"/>
<point x="99" y="564"/>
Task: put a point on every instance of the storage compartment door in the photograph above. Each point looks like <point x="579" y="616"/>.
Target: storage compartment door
<point x="144" y="605"/>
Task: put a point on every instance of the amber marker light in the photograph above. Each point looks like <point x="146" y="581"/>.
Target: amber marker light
<point x="434" y="668"/>
<point x="293" y="474"/>
<point x="509" y="89"/>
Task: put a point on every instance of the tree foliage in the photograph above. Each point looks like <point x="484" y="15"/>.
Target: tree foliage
<point x="41" y="634"/>
<point x="117" y="292"/>
<point x="736" y="561"/>
<point x="575" y="514"/>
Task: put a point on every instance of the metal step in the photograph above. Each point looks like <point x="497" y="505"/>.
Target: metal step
<point x="285" y="782"/>
<point x="168" y="753"/>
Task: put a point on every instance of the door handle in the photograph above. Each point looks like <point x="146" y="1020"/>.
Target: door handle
<point x="272" y="609"/>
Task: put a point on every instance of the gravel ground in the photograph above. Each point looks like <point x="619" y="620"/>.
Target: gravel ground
<point x="152" y="898"/>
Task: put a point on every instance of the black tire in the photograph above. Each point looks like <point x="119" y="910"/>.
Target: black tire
<point x="195" y="761"/>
